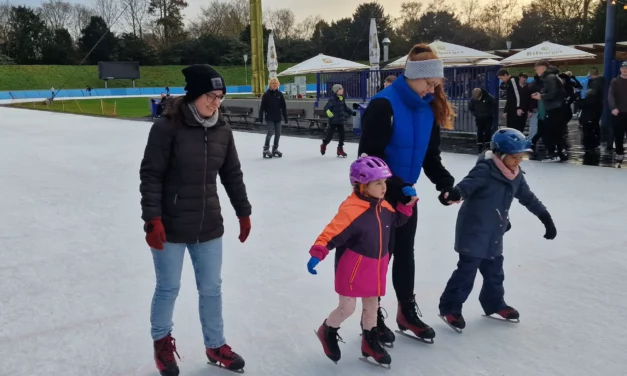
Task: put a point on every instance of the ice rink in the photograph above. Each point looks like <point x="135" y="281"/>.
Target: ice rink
<point x="76" y="277"/>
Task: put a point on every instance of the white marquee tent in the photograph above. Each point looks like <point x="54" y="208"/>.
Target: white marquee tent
<point x="323" y="63"/>
<point x="549" y="51"/>
<point x="452" y="54"/>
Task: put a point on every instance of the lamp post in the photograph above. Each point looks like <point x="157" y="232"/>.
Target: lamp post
<point x="246" y="68"/>
<point x="508" y="44"/>
<point x="386" y="49"/>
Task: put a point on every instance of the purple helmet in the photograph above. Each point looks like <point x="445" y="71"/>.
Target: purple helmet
<point x="367" y="169"/>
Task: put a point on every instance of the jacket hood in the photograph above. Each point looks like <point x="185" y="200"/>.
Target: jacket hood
<point x="486" y="158"/>
<point x="551" y="70"/>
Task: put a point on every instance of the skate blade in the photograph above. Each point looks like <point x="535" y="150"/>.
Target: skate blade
<point x="516" y="321"/>
<point x="375" y="364"/>
<point x="428" y="341"/>
<point x="384" y="344"/>
<point x="219" y="365"/>
<point x="458" y="330"/>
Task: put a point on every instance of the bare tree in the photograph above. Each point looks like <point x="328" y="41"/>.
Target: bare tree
<point x="107" y="9"/>
<point x="5" y="15"/>
<point x="305" y="29"/>
<point x="470" y="12"/>
<point x="135" y="15"/>
<point x="80" y="18"/>
<point x="223" y="18"/>
<point x="282" y="22"/>
<point x="56" y="13"/>
<point x="498" y="17"/>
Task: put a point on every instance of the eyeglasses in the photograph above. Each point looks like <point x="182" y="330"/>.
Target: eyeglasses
<point x="433" y="84"/>
<point x="212" y="97"/>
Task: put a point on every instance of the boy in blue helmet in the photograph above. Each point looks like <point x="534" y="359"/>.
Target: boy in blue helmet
<point x="483" y="219"/>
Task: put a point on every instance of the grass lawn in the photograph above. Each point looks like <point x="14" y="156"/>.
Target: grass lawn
<point x="120" y="107"/>
<point x="44" y="77"/>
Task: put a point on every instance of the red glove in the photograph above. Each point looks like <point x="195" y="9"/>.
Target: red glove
<point x="244" y="228"/>
<point x="155" y="233"/>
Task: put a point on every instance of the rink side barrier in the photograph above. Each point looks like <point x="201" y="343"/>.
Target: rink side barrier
<point x="18" y="96"/>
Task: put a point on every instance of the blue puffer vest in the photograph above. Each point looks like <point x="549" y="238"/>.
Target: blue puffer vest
<point x="412" y="123"/>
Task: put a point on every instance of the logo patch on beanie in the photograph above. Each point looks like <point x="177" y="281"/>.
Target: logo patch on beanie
<point x="217" y="83"/>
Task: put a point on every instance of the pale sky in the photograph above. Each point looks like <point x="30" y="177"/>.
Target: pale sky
<point x="327" y="9"/>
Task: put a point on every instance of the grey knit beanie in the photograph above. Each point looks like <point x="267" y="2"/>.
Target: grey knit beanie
<point x="336" y="88"/>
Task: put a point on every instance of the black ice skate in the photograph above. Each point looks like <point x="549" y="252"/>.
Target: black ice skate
<point x="341" y="153"/>
<point x="386" y="336"/>
<point x="371" y="348"/>
<point x="329" y="339"/>
<point x="407" y="319"/>
<point x="276" y="152"/>
<point x="323" y="149"/>
<point x="266" y="153"/>
<point x="224" y="357"/>
<point x="165" y="348"/>
<point x="455" y="321"/>
<point x="618" y="160"/>
<point x="508" y="314"/>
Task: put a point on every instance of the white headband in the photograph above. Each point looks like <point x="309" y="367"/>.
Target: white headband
<point x="433" y="68"/>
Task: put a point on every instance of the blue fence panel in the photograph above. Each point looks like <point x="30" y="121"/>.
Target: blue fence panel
<point x="5" y="95"/>
<point x="118" y="92"/>
<point x="76" y="93"/>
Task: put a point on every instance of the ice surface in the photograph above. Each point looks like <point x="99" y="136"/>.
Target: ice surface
<point x="76" y="277"/>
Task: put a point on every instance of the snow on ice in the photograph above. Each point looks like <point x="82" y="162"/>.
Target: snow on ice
<point x="77" y="277"/>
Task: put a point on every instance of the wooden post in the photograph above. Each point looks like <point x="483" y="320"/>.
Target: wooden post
<point x="115" y="107"/>
<point x="102" y="106"/>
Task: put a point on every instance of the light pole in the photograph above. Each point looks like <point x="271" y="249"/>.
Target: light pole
<point x="246" y="68"/>
<point x="386" y="49"/>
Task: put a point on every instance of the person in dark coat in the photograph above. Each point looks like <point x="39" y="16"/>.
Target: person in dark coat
<point x="338" y="112"/>
<point x="483" y="219"/>
<point x="590" y="113"/>
<point x="402" y="126"/>
<point x="551" y="118"/>
<point x="273" y="108"/>
<point x="515" y="103"/>
<point x="483" y="106"/>
<point x="187" y="149"/>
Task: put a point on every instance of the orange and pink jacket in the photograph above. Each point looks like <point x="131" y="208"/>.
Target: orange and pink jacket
<point x="360" y="232"/>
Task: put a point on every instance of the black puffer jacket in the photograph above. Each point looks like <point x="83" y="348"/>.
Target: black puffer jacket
<point x="341" y="112"/>
<point x="483" y="108"/>
<point x="273" y="106"/>
<point x="553" y="93"/>
<point x="179" y="171"/>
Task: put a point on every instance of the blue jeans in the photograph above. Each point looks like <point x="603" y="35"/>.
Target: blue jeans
<point x="207" y="261"/>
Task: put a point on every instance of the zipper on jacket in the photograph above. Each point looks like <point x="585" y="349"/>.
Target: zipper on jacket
<point x="380" y="250"/>
<point x="176" y="196"/>
<point x="354" y="273"/>
<point x="204" y="191"/>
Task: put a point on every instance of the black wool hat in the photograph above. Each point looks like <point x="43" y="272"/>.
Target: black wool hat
<point x="201" y="79"/>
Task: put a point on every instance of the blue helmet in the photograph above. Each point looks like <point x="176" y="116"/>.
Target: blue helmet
<point x="510" y="141"/>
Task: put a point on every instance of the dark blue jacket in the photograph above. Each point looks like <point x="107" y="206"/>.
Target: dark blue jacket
<point x="341" y="112"/>
<point x="412" y="123"/>
<point x="484" y="215"/>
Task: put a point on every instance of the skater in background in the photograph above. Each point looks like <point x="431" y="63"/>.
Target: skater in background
<point x="515" y="103"/>
<point x="483" y="106"/>
<point x="551" y="111"/>
<point x="389" y="80"/>
<point x="181" y="210"/>
<point x="338" y="112"/>
<point x="617" y="99"/>
<point x="360" y="233"/>
<point x="273" y="109"/>
<point x="483" y="219"/>
<point x="590" y="113"/>
<point x="402" y="126"/>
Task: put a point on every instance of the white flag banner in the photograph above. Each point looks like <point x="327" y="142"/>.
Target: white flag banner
<point x="273" y="62"/>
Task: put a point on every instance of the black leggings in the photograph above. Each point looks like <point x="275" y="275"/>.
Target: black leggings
<point x="331" y="131"/>
<point x="402" y="253"/>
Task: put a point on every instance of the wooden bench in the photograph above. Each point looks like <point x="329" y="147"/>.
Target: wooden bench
<point x="320" y="118"/>
<point x="296" y="115"/>
<point x="238" y="113"/>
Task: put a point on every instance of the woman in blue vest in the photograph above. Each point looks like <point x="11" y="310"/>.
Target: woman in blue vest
<point x="402" y="126"/>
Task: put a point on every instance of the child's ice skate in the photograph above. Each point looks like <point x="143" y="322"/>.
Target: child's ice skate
<point x="323" y="149"/>
<point x="386" y="336"/>
<point x="370" y="347"/>
<point x="618" y="160"/>
<point x="329" y="338"/>
<point x="341" y="153"/>
<point x="508" y="314"/>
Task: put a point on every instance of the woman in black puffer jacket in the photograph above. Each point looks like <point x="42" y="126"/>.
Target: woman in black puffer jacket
<point x="186" y="151"/>
<point x="274" y="109"/>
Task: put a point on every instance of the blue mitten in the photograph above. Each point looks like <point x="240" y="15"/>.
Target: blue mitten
<point x="311" y="265"/>
<point x="409" y="191"/>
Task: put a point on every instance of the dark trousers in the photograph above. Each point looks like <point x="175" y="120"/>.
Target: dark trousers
<point x="553" y="131"/>
<point x="331" y="131"/>
<point x="591" y="134"/>
<point x="274" y="129"/>
<point x="515" y="121"/>
<point x="402" y="253"/>
<point x="620" y="127"/>
<point x="460" y="285"/>
<point x="484" y="132"/>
